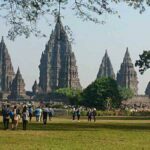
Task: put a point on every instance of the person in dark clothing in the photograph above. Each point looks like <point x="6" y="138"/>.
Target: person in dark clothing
<point x="73" y="114"/>
<point x="30" y="113"/>
<point x="94" y="114"/>
<point x="6" y="117"/>
<point x="45" y="114"/>
<point x="3" y="114"/>
<point x="89" y="114"/>
<point x="78" y="114"/>
<point x="51" y="112"/>
<point x="18" y="111"/>
<point x="25" y="117"/>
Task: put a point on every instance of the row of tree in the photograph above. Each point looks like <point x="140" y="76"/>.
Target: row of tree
<point x="103" y="93"/>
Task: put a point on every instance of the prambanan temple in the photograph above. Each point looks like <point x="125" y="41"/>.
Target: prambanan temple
<point x="58" y="69"/>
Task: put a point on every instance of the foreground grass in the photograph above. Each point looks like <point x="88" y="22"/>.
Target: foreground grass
<point x="67" y="135"/>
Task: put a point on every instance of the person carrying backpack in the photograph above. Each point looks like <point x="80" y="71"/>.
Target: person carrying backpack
<point x="6" y="117"/>
<point x="12" y="114"/>
<point x="25" y="117"/>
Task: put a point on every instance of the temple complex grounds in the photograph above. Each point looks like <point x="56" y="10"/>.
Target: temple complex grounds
<point x="107" y="133"/>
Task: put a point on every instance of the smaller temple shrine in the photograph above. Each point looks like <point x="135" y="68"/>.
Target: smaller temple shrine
<point x="18" y="87"/>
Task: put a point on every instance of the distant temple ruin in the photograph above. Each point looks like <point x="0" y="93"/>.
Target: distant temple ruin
<point x="11" y="85"/>
<point x="58" y="69"/>
<point x="106" y="69"/>
<point x="6" y="71"/>
<point x="147" y="91"/>
<point x="18" y="87"/>
<point x="127" y="76"/>
<point x="58" y="64"/>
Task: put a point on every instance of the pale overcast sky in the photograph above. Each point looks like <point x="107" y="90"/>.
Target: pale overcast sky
<point x="91" y="41"/>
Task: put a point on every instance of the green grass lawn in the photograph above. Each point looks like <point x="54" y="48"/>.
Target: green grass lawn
<point x="63" y="134"/>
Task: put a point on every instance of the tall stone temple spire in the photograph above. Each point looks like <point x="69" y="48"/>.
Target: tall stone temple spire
<point x="18" y="86"/>
<point x="147" y="91"/>
<point x="6" y="68"/>
<point x="58" y="64"/>
<point x="106" y="69"/>
<point x="127" y="76"/>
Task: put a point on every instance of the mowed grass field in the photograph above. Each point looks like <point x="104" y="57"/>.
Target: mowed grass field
<point x="64" y="134"/>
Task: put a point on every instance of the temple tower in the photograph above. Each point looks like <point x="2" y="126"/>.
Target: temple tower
<point x="147" y="91"/>
<point x="18" y="86"/>
<point x="6" y="68"/>
<point x="106" y="69"/>
<point x="58" y="64"/>
<point x="127" y="76"/>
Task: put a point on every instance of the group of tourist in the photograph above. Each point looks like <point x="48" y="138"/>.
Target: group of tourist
<point x="76" y="113"/>
<point x="91" y="114"/>
<point x="26" y="113"/>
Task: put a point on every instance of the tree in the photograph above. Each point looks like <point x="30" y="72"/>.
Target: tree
<point x="103" y="93"/>
<point x="144" y="62"/>
<point x="73" y="95"/>
<point x="23" y="15"/>
<point x="125" y="93"/>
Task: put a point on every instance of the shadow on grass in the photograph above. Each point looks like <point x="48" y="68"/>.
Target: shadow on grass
<point x="84" y="126"/>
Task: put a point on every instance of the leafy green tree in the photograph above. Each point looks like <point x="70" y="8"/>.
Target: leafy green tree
<point x="99" y="92"/>
<point x="73" y="95"/>
<point x="23" y="15"/>
<point x="144" y="62"/>
<point x="126" y="93"/>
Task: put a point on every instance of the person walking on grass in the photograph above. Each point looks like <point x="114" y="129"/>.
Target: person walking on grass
<point x="94" y="114"/>
<point x="3" y="113"/>
<point x="89" y="114"/>
<point x="25" y="117"/>
<point x="78" y="113"/>
<point x="6" y="116"/>
<point x="50" y="114"/>
<point x="30" y="113"/>
<point x="73" y="114"/>
<point x="38" y="112"/>
<point x="45" y="114"/>
<point x="13" y="114"/>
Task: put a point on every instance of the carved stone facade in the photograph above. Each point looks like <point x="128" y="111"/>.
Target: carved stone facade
<point x="127" y="76"/>
<point x="147" y="91"/>
<point x="58" y="64"/>
<point x="18" y="86"/>
<point x="106" y="69"/>
<point x="6" y="69"/>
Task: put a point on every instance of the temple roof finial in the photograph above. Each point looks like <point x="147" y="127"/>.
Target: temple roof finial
<point x="18" y="70"/>
<point x="127" y="51"/>
<point x="106" y="54"/>
<point x="2" y="40"/>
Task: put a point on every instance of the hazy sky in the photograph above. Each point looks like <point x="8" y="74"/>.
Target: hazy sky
<point x="91" y="41"/>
